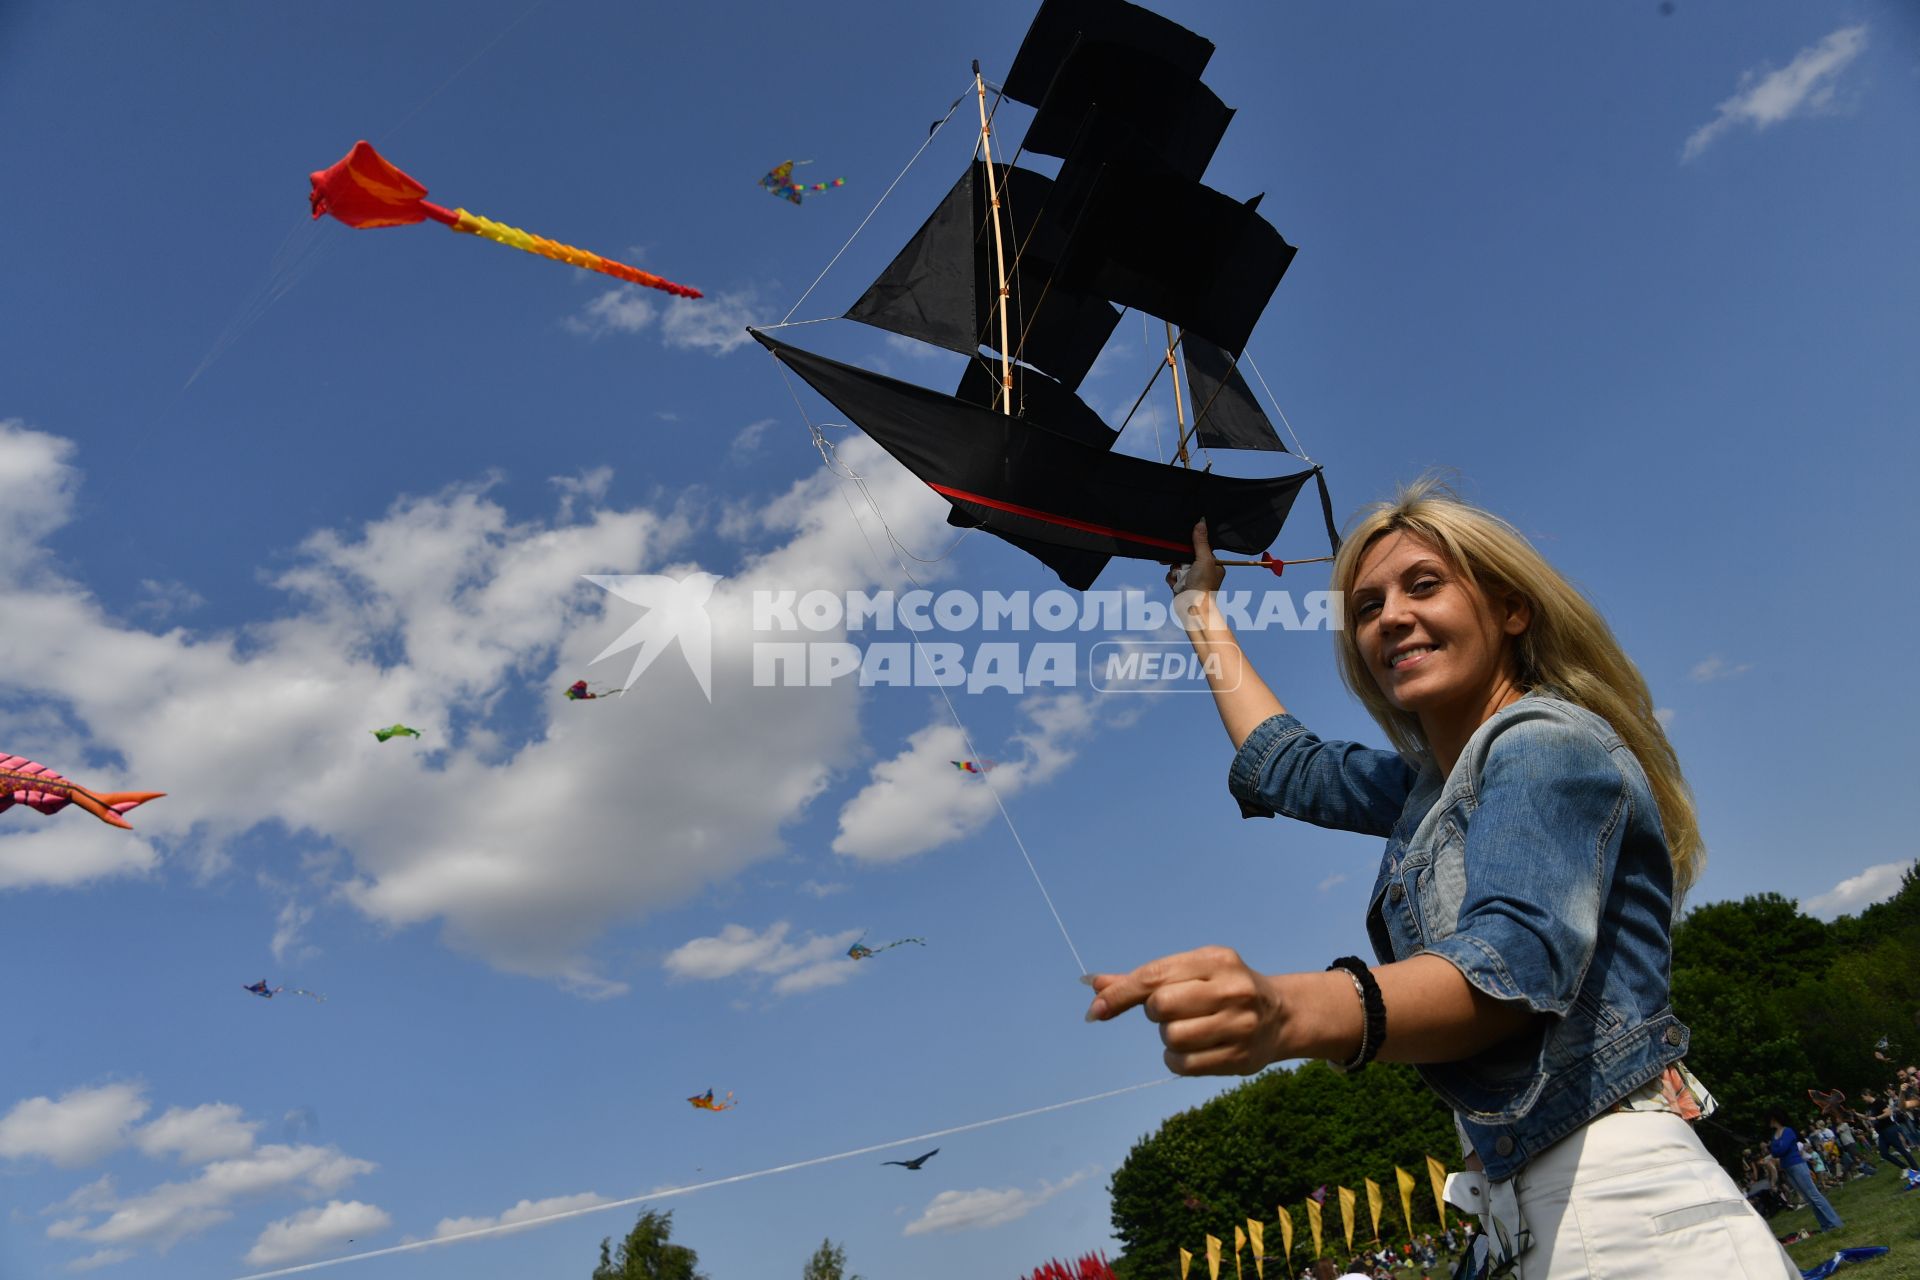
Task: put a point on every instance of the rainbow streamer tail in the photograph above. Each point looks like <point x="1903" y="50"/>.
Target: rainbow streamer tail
<point x="473" y="224"/>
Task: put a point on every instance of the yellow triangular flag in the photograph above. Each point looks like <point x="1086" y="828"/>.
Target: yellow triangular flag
<point x="1213" y="1258"/>
<point x="1437" y="1174"/>
<point x="1239" y="1243"/>
<point x="1375" y="1203"/>
<point x="1286" y="1232"/>
<point x="1313" y="1224"/>
<point x="1256" y="1234"/>
<point x="1347" y="1201"/>
<point x="1186" y="1263"/>
<point x="1405" y="1180"/>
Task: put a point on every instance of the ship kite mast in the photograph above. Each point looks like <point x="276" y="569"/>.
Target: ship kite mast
<point x="1005" y="400"/>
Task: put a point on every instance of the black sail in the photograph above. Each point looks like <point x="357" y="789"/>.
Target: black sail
<point x="1173" y="118"/>
<point x="1038" y="399"/>
<point x="1062" y="25"/>
<point x="1143" y="237"/>
<point x="1226" y="416"/>
<point x="1031" y="484"/>
<point x="940" y="288"/>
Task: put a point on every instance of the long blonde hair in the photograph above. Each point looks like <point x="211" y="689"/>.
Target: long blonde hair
<point x="1567" y="649"/>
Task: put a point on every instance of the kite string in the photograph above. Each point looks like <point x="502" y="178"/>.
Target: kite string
<point x="931" y="135"/>
<point x="543" y="1219"/>
<point x="831" y="458"/>
<point x="973" y="751"/>
<point x="464" y="68"/>
<point x="1275" y="401"/>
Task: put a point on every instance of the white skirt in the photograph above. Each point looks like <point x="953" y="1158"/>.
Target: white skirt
<point x="1632" y="1196"/>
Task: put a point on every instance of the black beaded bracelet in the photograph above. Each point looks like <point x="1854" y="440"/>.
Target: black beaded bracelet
<point x="1373" y="1030"/>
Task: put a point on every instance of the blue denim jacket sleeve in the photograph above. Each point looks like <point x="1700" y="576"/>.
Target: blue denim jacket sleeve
<point x="1542" y="840"/>
<point x="1284" y="768"/>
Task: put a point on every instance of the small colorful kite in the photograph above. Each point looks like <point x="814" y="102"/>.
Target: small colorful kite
<point x="364" y="190"/>
<point x="705" y="1101"/>
<point x="38" y="787"/>
<point x="971" y="766"/>
<point x="578" y="692"/>
<point x="914" y="1163"/>
<point x="860" y="952"/>
<point x="266" y="992"/>
<point x="779" y="181"/>
<point x="395" y="731"/>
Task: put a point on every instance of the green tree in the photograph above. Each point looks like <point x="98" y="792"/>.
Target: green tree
<point x="1267" y="1142"/>
<point x="648" y="1253"/>
<point x="829" y="1262"/>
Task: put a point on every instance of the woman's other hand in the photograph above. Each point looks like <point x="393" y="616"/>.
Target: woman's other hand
<point x="1216" y="1016"/>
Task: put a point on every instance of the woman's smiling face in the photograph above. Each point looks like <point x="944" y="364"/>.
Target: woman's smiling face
<point x="1433" y="642"/>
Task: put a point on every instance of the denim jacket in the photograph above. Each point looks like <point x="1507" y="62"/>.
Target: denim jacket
<point x="1539" y="869"/>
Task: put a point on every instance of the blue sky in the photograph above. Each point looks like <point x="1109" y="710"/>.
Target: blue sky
<point x="1644" y="279"/>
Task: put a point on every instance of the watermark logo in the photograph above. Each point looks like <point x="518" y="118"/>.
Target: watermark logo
<point x="1158" y="666"/>
<point x="823" y="638"/>
<point x="676" y="609"/>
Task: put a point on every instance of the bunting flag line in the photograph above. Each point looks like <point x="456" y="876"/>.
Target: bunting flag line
<point x="1405" y="1180"/>
<point x="1256" y="1234"/>
<point x="1375" y="1203"/>
<point x="1437" y="1174"/>
<point x="1286" y="1233"/>
<point x="1186" y="1263"/>
<point x="1239" y="1243"/>
<point x="1313" y="1224"/>
<point x="1347" y="1201"/>
<point x="1213" y="1258"/>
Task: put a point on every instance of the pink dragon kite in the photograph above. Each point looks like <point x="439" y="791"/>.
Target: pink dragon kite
<point x="38" y="787"/>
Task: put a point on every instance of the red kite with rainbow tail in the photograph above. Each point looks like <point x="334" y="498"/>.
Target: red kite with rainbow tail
<point x="365" y="190"/>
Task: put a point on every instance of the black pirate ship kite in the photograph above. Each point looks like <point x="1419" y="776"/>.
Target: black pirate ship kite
<point x="1117" y="95"/>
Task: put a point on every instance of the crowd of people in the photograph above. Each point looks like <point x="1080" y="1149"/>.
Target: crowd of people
<point x="1386" y="1262"/>
<point x="1834" y="1145"/>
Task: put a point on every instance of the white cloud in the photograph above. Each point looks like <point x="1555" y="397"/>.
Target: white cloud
<point x="168" y="1213"/>
<point x="1665" y="715"/>
<point x="622" y="310"/>
<point x="314" y="1231"/>
<point x="37" y="482"/>
<point x="1875" y="884"/>
<point x="1338" y="877"/>
<point x="821" y="889"/>
<point x="747" y="443"/>
<point x="212" y="1132"/>
<point x="716" y="324"/>
<point x="99" y="1258"/>
<point x="164" y="600"/>
<point x="525" y="1211"/>
<point x="65" y="853"/>
<point x="918" y="801"/>
<point x="1717" y="668"/>
<point x="986" y="1207"/>
<point x="1804" y="86"/>
<point x="446" y="602"/>
<point x="83" y="1126"/>
<point x="805" y="965"/>
<point x="289" y="937"/>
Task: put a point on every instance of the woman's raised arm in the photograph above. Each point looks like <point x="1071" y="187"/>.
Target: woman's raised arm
<point x="1239" y="694"/>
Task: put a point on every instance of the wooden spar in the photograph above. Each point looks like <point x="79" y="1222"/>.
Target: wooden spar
<point x="999" y="251"/>
<point x="1179" y="408"/>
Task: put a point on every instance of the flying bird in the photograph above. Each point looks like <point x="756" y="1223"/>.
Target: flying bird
<point x="916" y="1162"/>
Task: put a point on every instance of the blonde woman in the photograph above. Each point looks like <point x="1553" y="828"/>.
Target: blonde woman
<point x="1539" y="838"/>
